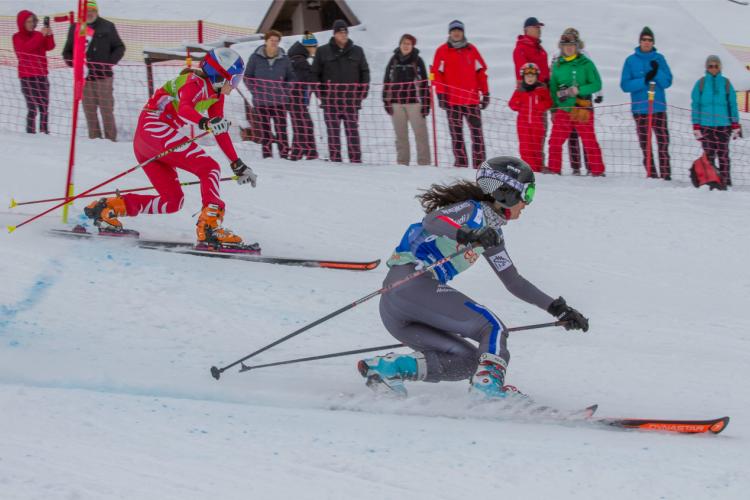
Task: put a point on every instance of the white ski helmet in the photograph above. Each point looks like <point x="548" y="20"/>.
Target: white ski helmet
<point x="223" y="64"/>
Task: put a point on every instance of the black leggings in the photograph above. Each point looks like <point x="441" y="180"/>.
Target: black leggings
<point x="35" y="90"/>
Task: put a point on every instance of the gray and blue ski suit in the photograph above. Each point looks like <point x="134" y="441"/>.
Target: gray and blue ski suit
<point x="432" y="317"/>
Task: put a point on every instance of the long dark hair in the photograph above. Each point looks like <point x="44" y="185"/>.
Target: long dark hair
<point x="442" y="195"/>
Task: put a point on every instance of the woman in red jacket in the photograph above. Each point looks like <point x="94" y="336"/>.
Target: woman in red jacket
<point x="531" y="100"/>
<point x="31" y="47"/>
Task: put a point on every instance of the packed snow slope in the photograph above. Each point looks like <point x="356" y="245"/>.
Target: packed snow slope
<point x="105" y="349"/>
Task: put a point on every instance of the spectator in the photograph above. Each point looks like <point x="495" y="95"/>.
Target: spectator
<point x="529" y="50"/>
<point x="302" y="55"/>
<point x="406" y="96"/>
<point x="531" y="100"/>
<point x="715" y="116"/>
<point x="267" y="75"/>
<point x="573" y="80"/>
<point x="31" y="49"/>
<point x="461" y="86"/>
<point x="342" y="69"/>
<point x="646" y="65"/>
<point x="104" y="49"/>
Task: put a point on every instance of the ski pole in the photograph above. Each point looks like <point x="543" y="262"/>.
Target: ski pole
<point x="14" y="203"/>
<point x="245" y="368"/>
<point x="216" y="372"/>
<point x="122" y="174"/>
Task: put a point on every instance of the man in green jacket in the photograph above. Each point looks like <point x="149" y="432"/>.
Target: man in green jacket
<point x="573" y="80"/>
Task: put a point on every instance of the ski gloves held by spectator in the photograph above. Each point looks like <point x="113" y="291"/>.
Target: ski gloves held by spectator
<point x="651" y="74"/>
<point x="244" y="173"/>
<point x="564" y="92"/>
<point x="573" y="319"/>
<point x="736" y="131"/>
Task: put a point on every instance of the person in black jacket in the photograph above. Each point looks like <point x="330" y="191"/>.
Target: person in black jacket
<point x="104" y="49"/>
<point x="406" y="97"/>
<point x="344" y="76"/>
<point x="302" y="54"/>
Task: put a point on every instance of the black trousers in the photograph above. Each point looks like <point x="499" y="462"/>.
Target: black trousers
<point x="303" y="142"/>
<point x="35" y="90"/>
<point x="473" y="116"/>
<point x="350" y="118"/>
<point x="277" y="116"/>
<point x="715" y="143"/>
<point x="661" y="131"/>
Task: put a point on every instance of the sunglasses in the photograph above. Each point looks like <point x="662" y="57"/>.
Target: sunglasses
<point x="710" y="66"/>
<point x="646" y="39"/>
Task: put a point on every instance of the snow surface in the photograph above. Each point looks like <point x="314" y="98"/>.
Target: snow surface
<point x="105" y="349"/>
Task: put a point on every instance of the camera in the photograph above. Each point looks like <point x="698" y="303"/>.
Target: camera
<point x="45" y="22"/>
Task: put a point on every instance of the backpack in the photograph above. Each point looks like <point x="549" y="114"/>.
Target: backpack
<point x="703" y="172"/>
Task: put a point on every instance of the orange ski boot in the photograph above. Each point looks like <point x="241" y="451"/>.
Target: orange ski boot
<point x="209" y="230"/>
<point x="105" y="213"/>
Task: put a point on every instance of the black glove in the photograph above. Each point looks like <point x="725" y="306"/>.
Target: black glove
<point x="244" y="173"/>
<point x="425" y="109"/>
<point x="388" y="108"/>
<point x="654" y="69"/>
<point x="485" y="101"/>
<point x="442" y="101"/>
<point x="573" y="319"/>
<point x="486" y="237"/>
<point x="598" y="99"/>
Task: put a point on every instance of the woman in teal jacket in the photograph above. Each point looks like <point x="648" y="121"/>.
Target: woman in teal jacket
<point x="715" y="116"/>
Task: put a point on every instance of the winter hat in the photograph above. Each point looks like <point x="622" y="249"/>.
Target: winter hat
<point x="713" y="59"/>
<point x="309" y="40"/>
<point x="571" y="37"/>
<point x="529" y="69"/>
<point x="407" y="36"/>
<point x="91" y="5"/>
<point x="271" y="33"/>
<point x="456" y="25"/>
<point x="340" y="25"/>
<point x="532" y="21"/>
<point x="647" y="32"/>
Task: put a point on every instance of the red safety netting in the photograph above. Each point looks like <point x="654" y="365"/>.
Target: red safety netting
<point x="300" y="120"/>
<point x="136" y="34"/>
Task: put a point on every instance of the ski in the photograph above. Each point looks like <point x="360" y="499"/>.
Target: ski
<point x="248" y="254"/>
<point x="713" y="426"/>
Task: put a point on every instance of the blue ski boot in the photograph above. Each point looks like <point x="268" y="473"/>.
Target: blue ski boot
<point x="386" y="374"/>
<point x="489" y="379"/>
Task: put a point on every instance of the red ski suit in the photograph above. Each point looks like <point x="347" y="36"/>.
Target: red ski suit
<point x="531" y="107"/>
<point x="530" y="50"/>
<point x="171" y="107"/>
<point x="460" y="74"/>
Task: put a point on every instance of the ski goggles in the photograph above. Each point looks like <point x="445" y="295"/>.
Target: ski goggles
<point x="527" y="195"/>
<point x="492" y="180"/>
<point x="234" y="81"/>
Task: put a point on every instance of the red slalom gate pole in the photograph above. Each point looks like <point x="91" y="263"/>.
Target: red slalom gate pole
<point x="433" y="96"/>
<point x="649" y="159"/>
<point x="79" y="54"/>
<point x="14" y="203"/>
<point x="122" y="174"/>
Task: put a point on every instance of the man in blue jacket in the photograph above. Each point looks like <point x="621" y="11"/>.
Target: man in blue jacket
<point x="641" y="68"/>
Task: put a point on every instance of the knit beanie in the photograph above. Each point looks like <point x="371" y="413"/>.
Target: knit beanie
<point x="309" y="40"/>
<point x="713" y="59"/>
<point x="91" y="5"/>
<point x="647" y="32"/>
<point x="340" y="25"/>
<point x="456" y="25"/>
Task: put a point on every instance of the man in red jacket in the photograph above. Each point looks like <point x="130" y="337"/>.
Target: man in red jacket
<point x="460" y="79"/>
<point x="529" y="50"/>
<point x="31" y="47"/>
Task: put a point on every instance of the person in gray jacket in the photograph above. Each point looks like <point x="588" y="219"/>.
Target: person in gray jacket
<point x="434" y="319"/>
<point x="267" y="76"/>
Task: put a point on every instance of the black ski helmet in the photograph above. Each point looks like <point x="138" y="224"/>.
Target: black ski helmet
<point x="507" y="179"/>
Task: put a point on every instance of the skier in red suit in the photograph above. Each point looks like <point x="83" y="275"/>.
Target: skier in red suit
<point x="531" y="100"/>
<point x="178" y="102"/>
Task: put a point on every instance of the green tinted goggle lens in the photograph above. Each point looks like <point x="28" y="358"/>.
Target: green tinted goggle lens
<point x="528" y="193"/>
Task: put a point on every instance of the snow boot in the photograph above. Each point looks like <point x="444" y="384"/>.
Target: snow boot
<point x="386" y="374"/>
<point x="209" y="228"/>
<point x="489" y="379"/>
<point x="105" y="213"/>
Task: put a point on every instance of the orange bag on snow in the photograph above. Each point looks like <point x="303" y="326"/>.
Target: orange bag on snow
<point x="703" y="172"/>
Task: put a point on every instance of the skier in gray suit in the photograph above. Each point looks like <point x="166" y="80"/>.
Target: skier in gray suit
<point x="435" y="319"/>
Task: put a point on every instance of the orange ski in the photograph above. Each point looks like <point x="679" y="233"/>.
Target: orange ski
<point x="714" y="426"/>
